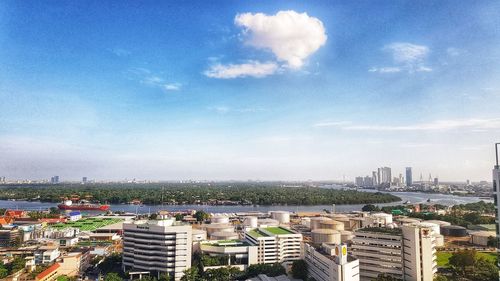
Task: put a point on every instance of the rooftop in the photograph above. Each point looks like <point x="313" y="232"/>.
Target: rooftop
<point x="269" y="231"/>
<point x="229" y="243"/>
<point x="383" y="230"/>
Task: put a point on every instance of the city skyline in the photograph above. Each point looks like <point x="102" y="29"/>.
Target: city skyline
<point x="265" y="91"/>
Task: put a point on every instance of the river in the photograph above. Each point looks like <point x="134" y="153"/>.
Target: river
<point x="412" y="197"/>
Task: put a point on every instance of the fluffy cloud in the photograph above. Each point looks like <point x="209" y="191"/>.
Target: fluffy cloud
<point x="291" y="36"/>
<point x="249" y="69"/>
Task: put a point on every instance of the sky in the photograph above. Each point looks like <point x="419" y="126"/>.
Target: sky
<point x="261" y="90"/>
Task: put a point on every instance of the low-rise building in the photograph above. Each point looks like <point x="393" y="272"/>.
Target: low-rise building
<point x="330" y="262"/>
<point x="275" y="244"/>
<point x="235" y="253"/>
<point x="46" y="254"/>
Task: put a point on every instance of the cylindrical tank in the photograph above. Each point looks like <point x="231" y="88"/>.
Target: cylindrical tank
<point x="482" y="238"/>
<point x="250" y="222"/>
<point x="268" y="222"/>
<point x="453" y="230"/>
<point x="282" y="217"/>
<point x="338" y="217"/>
<point x="217" y="227"/>
<point x="387" y="218"/>
<point x="406" y="221"/>
<point x="434" y="226"/>
<point x="219" y="219"/>
<point x="316" y="220"/>
<point x="346" y="236"/>
<point x="199" y="235"/>
<point x="320" y="236"/>
<point x="331" y="224"/>
<point x="438" y="222"/>
<point x="223" y="235"/>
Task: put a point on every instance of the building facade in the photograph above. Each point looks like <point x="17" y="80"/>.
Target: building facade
<point x="409" y="176"/>
<point x="157" y="247"/>
<point x="275" y="244"/>
<point x="330" y="263"/>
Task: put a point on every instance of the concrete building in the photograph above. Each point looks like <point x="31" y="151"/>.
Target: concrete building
<point x="275" y="244"/>
<point x="384" y="176"/>
<point x="157" y="247"/>
<point x="406" y="253"/>
<point x="409" y="177"/>
<point x="236" y="253"/>
<point x="10" y="236"/>
<point x="46" y="254"/>
<point x="330" y="262"/>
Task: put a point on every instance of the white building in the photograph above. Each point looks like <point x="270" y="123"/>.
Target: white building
<point x="46" y="254"/>
<point x="407" y="253"/>
<point x="157" y="247"/>
<point x="330" y="263"/>
<point x="275" y="244"/>
<point x="236" y="253"/>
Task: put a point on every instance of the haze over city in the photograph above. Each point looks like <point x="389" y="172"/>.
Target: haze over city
<point x="269" y="90"/>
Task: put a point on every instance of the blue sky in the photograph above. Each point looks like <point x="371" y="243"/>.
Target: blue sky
<point x="248" y="89"/>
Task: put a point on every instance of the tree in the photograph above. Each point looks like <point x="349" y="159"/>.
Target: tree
<point x="191" y="274"/>
<point x="440" y="278"/>
<point x="4" y="272"/>
<point x="386" y="277"/>
<point x="299" y="269"/>
<point x="463" y="261"/>
<point x="484" y="271"/>
<point x="112" y="277"/>
<point x="492" y="242"/>
<point x="201" y="216"/>
<point x="370" y="208"/>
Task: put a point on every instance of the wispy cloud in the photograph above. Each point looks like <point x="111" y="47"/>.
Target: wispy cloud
<point x="120" y="52"/>
<point x="250" y="69"/>
<point x="406" y="57"/>
<point x="438" y="125"/>
<point x="331" y="124"/>
<point x="148" y="78"/>
<point x="227" y="109"/>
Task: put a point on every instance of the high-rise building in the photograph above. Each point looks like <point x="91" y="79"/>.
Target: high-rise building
<point x="375" y="178"/>
<point x="496" y="197"/>
<point x="84" y="180"/>
<point x="359" y="181"/>
<point x="406" y="253"/>
<point x="368" y="181"/>
<point x="158" y="247"/>
<point x="54" y="179"/>
<point x="384" y="176"/>
<point x="409" y="177"/>
<point x="436" y="181"/>
<point x="275" y="244"/>
<point x="330" y="262"/>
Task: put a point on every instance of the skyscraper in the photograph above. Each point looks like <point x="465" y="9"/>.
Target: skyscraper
<point x="384" y="176"/>
<point x="409" y="177"/>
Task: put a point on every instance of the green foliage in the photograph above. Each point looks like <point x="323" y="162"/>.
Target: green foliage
<point x="370" y="208"/>
<point x="112" y="276"/>
<point x="187" y="193"/>
<point x="492" y="242"/>
<point x="112" y="263"/>
<point x="4" y="272"/>
<point x="222" y="274"/>
<point x="480" y="207"/>
<point x="201" y="216"/>
<point x="467" y="265"/>
<point x="439" y="277"/>
<point x="191" y="274"/>
<point x="271" y="270"/>
<point x="386" y="277"/>
<point x="38" y="269"/>
<point x="66" y="278"/>
<point x="17" y="264"/>
<point x="208" y="260"/>
<point x="299" y="269"/>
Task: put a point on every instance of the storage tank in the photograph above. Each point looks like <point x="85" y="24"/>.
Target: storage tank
<point x="223" y="235"/>
<point x="268" y="222"/>
<point x="346" y="236"/>
<point x="453" y="231"/>
<point x="481" y="238"/>
<point x="331" y="224"/>
<point x="434" y="226"/>
<point x="199" y="235"/>
<point x="382" y="217"/>
<point x="406" y="221"/>
<point x="282" y="217"/>
<point x="338" y="216"/>
<point x="217" y="227"/>
<point x="250" y="222"/>
<point x="438" y="222"/>
<point x="316" y="220"/>
<point x="219" y="219"/>
<point x="320" y="236"/>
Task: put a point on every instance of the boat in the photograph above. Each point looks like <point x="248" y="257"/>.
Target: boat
<point x="83" y="206"/>
<point x="407" y="202"/>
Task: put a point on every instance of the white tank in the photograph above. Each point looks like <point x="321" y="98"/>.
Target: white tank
<point x="434" y="226"/>
<point x="387" y="218"/>
<point x="320" y="236"/>
<point x="346" y="236"/>
<point x="219" y="219"/>
<point x="316" y="220"/>
<point x="222" y="235"/>
<point x="331" y="224"/>
<point x="283" y="217"/>
<point x="268" y="222"/>
<point x="217" y="227"/>
<point x="251" y="222"/>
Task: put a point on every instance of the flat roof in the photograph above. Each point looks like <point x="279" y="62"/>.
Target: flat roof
<point x="269" y="231"/>
<point x="278" y="230"/>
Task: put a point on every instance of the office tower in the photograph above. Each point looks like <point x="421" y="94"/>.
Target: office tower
<point x="406" y="253"/>
<point x="496" y="198"/>
<point x="409" y="177"/>
<point x="436" y="181"/>
<point x="384" y="176"/>
<point x="84" y="180"/>
<point x="54" y="179"/>
<point x="359" y="181"/>
<point x="275" y="244"/>
<point x="158" y="247"/>
<point x="368" y="181"/>
<point x="330" y="262"/>
<point x="375" y="178"/>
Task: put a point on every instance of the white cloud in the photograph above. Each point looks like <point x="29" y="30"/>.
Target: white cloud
<point x="172" y="87"/>
<point x="473" y="124"/>
<point x="291" y="36"/>
<point x="453" y="52"/>
<point x="250" y="69"/>
<point x="331" y="124"/>
<point x="389" y="69"/>
<point x="407" y="52"/>
<point x="148" y="78"/>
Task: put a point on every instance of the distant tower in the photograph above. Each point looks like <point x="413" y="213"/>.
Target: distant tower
<point x="430" y="178"/>
<point x="84" y="180"/>
<point x="421" y="178"/>
<point x="409" y="177"/>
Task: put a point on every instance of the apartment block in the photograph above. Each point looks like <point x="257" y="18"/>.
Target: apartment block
<point x="275" y="244"/>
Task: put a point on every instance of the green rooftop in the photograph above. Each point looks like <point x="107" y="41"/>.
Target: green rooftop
<point x="278" y="230"/>
<point x="88" y="224"/>
<point x="384" y="230"/>
<point x="261" y="232"/>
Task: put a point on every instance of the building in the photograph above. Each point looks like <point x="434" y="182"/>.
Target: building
<point x="235" y="253"/>
<point x="54" y="179"/>
<point x="275" y="244"/>
<point x="406" y="253"/>
<point x="436" y="181"/>
<point x="330" y="262"/>
<point x="384" y="176"/>
<point x="359" y="181"/>
<point x="46" y="254"/>
<point x="49" y="274"/>
<point x="157" y="247"/>
<point x="368" y="181"/>
<point x="75" y="263"/>
<point x="10" y="236"/>
<point x="496" y="197"/>
<point x="375" y="178"/>
<point x="409" y="177"/>
<point x="84" y="180"/>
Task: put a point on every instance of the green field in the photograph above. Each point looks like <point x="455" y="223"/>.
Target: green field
<point x="88" y="224"/>
<point x="444" y="257"/>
